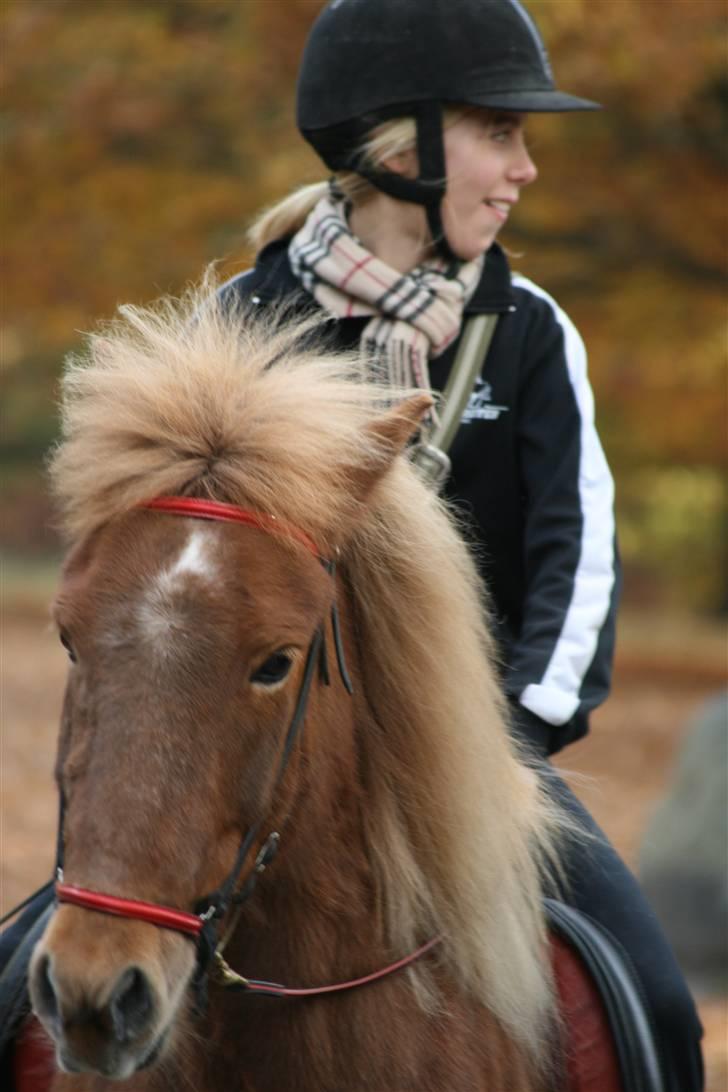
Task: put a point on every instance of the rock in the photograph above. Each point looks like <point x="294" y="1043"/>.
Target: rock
<point x="684" y="854"/>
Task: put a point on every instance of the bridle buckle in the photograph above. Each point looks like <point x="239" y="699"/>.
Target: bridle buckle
<point x="267" y="852"/>
<point x="432" y="464"/>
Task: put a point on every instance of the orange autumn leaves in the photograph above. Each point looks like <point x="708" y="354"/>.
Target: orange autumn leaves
<point x="140" y="139"/>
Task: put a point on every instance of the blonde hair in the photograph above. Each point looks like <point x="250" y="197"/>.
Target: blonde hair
<point x="387" y="140"/>
<point x="181" y="398"/>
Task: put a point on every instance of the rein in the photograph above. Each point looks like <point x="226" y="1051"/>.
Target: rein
<point x="227" y="977"/>
<point x="202" y="926"/>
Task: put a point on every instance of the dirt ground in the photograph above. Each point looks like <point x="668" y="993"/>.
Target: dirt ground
<point x="619" y="772"/>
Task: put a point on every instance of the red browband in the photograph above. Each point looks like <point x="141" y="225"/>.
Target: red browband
<point x="163" y="916"/>
<point x="230" y="513"/>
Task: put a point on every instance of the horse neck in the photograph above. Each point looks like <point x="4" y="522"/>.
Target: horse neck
<point x="314" y="920"/>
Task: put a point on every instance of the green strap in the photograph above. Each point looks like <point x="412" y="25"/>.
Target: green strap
<point x="430" y="455"/>
<point x="472" y="351"/>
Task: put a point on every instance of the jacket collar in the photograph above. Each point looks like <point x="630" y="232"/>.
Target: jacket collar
<point x="494" y="293"/>
<point x="272" y="278"/>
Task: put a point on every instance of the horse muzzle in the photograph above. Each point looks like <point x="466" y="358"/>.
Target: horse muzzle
<point x="106" y="1015"/>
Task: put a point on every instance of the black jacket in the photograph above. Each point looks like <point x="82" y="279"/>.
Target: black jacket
<point x="531" y="480"/>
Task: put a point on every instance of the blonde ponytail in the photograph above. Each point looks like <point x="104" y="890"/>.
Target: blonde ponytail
<point x="286" y="217"/>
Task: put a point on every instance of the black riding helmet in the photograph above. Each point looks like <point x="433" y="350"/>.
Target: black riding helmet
<point x="366" y="61"/>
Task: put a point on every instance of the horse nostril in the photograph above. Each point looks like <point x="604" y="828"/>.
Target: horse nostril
<point x="131" y="1004"/>
<point x="45" y="1000"/>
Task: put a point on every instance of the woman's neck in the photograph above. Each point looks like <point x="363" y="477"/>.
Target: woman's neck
<point x="394" y="231"/>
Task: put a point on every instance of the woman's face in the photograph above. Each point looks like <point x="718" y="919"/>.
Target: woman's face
<point x="487" y="164"/>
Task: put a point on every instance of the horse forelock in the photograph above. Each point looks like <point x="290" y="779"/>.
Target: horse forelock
<point x="186" y="396"/>
<point x="183" y="398"/>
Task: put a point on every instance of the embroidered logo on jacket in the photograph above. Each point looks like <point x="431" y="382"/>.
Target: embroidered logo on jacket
<point x="480" y="406"/>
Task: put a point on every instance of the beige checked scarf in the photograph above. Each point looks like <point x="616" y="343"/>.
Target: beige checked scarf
<point x="415" y="315"/>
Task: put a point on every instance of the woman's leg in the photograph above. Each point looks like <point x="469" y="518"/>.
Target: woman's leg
<point x="601" y="886"/>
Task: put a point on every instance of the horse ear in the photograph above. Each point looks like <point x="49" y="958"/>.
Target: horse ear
<point x="390" y="432"/>
<point x="395" y="427"/>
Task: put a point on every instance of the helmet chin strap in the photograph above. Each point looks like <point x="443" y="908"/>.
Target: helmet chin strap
<point x="429" y="188"/>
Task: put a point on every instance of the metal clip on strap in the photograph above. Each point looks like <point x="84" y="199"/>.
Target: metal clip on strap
<point x="433" y="465"/>
<point x="430" y="456"/>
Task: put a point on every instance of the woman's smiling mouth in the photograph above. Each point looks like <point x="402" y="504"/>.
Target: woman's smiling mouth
<point x="499" y="207"/>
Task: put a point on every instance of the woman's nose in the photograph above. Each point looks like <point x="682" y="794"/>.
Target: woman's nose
<point x="522" y="170"/>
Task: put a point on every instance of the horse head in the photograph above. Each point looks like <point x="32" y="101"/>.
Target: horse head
<point x="198" y="645"/>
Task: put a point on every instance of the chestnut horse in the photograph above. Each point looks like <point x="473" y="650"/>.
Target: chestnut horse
<point x="403" y="811"/>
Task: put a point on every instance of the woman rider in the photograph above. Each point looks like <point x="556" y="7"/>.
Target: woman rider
<point x="418" y="110"/>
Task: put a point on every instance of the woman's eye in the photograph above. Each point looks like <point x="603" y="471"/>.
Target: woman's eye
<point x="275" y="668"/>
<point x="65" y="641"/>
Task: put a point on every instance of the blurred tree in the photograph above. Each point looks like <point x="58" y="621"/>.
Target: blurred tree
<point x="138" y="140"/>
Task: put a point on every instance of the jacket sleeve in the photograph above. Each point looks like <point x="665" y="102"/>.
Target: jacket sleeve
<point x="560" y="666"/>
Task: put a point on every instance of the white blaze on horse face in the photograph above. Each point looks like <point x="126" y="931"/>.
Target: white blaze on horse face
<point x="160" y="618"/>
<point x="193" y="560"/>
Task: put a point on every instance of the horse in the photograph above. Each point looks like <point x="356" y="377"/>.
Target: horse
<point x="298" y="848"/>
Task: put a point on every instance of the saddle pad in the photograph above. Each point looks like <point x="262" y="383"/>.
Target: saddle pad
<point x="34" y="1059"/>
<point x="590" y="1058"/>
<point x="609" y="970"/>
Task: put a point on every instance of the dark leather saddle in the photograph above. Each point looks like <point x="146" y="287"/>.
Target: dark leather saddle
<point x="606" y="971"/>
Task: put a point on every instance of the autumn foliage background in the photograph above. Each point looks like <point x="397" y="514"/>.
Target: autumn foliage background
<point x="140" y="137"/>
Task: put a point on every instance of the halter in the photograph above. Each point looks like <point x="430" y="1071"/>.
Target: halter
<point x="202" y="926"/>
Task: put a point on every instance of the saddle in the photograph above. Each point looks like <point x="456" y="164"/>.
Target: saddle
<point x="609" y="1044"/>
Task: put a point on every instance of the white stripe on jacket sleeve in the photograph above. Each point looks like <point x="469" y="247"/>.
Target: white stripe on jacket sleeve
<point x="555" y="698"/>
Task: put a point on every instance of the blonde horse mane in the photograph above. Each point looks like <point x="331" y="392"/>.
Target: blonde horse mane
<point x="181" y="397"/>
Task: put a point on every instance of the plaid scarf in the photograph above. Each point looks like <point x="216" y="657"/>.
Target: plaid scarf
<point x="415" y="315"/>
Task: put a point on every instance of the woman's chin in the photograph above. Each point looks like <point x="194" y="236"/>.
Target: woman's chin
<point x="471" y="248"/>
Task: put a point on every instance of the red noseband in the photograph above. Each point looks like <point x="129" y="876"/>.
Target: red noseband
<point x="163" y="916"/>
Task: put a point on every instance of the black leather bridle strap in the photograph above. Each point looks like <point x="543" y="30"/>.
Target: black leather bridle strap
<point x="221" y="898"/>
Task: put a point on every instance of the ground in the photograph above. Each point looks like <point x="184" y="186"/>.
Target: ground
<point x="663" y="674"/>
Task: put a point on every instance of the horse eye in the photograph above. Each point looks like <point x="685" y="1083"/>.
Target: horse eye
<point x="65" y="641"/>
<point x="275" y="668"/>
